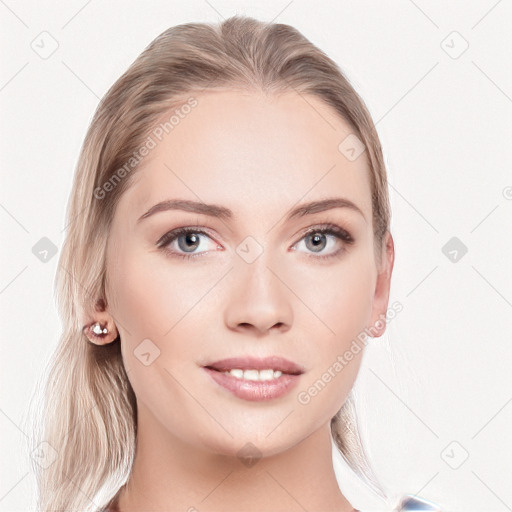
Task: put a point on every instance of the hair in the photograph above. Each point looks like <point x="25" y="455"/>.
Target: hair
<point x="89" y="412"/>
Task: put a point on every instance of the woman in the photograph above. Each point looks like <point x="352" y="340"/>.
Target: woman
<point x="228" y="253"/>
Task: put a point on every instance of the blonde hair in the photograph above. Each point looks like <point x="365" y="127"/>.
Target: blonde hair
<point x="89" y="414"/>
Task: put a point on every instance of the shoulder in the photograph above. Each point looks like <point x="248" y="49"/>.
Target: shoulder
<point x="406" y="503"/>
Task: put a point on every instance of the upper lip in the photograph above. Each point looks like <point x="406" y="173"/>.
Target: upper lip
<point x="250" y="363"/>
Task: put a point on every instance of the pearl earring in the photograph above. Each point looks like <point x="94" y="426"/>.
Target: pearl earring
<point x="96" y="329"/>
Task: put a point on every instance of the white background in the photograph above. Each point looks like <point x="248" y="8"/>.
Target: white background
<point x="437" y="387"/>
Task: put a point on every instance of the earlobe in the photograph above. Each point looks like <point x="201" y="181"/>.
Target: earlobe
<point x="100" y="328"/>
<point x="382" y="289"/>
<point x="100" y="333"/>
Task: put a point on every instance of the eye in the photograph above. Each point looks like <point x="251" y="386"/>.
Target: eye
<point x="187" y="241"/>
<point x="317" y="239"/>
<point x="329" y="236"/>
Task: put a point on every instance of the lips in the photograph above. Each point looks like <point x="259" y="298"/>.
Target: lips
<point x="252" y="363"/>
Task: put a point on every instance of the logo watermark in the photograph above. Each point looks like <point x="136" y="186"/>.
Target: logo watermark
<point x="304" y="397"/>
<point x="149" y="144"/>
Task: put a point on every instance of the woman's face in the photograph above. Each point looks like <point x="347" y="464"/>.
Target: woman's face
<point x="249" y="280"/>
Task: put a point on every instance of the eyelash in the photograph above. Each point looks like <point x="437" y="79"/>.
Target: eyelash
<point x="325" y="229"/>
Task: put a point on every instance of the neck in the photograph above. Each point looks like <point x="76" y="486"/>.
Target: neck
<point x="170" y="472"/>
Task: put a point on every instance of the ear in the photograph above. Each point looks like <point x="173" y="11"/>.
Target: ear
<point x="382" y="288"/>
<point x="102" y="318"/>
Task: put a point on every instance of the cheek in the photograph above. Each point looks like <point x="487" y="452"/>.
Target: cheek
<point x="154" y="296"/>
<point x="339" y="296"/>
<point x="142" y="294"/>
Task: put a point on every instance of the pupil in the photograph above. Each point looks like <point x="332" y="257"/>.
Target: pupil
<point x="318" y="238"/>
<point x="189" y="237"/>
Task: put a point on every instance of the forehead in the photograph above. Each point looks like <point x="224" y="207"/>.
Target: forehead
<point x="250" y="151"/>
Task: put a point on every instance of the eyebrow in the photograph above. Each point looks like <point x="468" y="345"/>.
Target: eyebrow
<point x="221" y="212"/>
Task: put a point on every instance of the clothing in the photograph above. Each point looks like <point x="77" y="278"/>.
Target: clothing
<point x="407" y="503"/>
<point x="410" y="503"/>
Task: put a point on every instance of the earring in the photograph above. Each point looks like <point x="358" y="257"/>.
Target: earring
<point x="98" y="330"/>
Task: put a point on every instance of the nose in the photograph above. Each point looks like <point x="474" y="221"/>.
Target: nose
<point x="259" y="300"/>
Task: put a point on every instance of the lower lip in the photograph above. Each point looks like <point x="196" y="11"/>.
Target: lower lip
<point x="255" y="390"/>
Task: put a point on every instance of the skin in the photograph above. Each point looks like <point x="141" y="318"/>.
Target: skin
<point x="259" y="156"/>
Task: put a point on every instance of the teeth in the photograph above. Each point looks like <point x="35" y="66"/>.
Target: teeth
<point x="255" y="374"/>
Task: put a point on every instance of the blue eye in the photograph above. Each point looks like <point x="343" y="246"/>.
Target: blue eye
<point x="316" y="239"/>
<point x="188" y="240"/>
